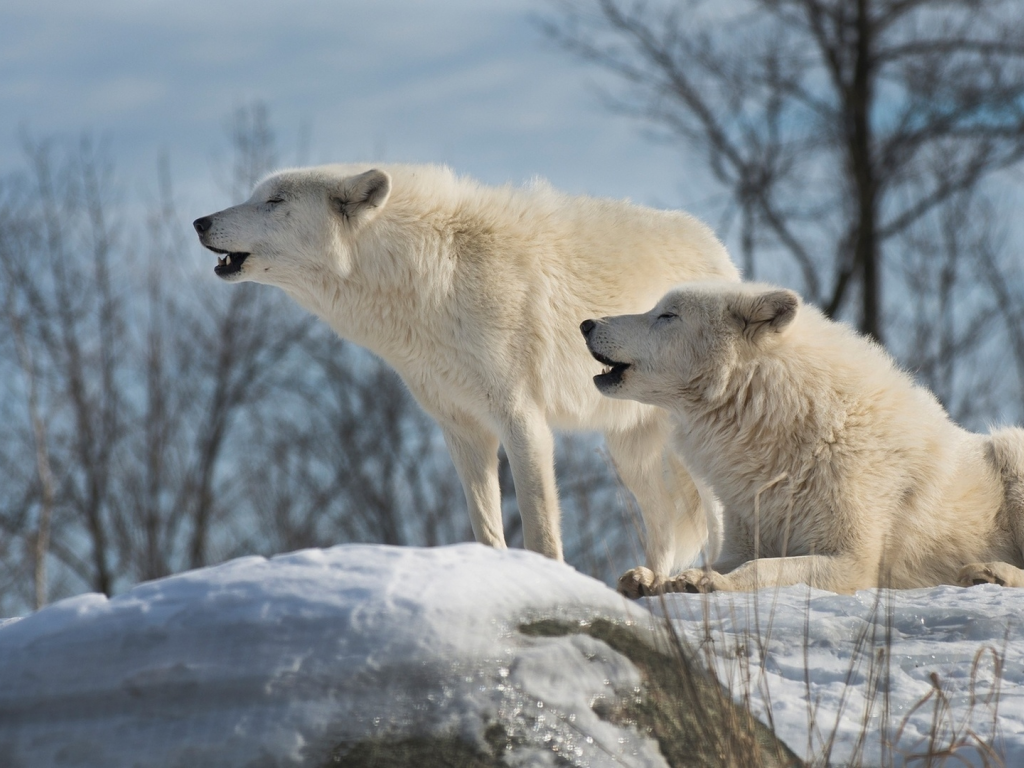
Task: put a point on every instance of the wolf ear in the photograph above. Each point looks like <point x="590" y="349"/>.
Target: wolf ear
<point x="767" y="312"/>
<point x="359" y="198"/>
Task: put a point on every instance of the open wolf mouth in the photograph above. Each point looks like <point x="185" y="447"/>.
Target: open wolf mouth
<point x="611" y="375"/>
<point x="228" y="263"/>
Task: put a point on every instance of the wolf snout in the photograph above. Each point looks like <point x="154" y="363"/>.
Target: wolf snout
<point x="587" y="326"/>
<point x="203" y="225"/>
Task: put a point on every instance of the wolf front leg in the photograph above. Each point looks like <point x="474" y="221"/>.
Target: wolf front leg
<point x="474" y="451"/>
<point x="677" y="517"/>
<point x="531" y="454"/>
<point x="835" y="573"/>
<point x="638" y="457"/>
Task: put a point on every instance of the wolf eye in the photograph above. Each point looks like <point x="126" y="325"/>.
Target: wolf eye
<point x="275" y="200"/>
<point x="667" y="315"/>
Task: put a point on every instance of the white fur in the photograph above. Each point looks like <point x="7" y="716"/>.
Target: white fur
<point x="833" y="468"/>
<point x="474" y="295"/>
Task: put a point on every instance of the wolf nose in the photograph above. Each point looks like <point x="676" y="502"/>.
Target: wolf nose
<point x="587" y="326"/>
<point x="202" y="224"/>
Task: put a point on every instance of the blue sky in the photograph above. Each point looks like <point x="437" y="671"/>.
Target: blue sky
<point x="469" y="83"/>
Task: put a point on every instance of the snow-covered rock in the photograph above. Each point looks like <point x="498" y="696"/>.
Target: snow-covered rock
<point x="278" y="662"/>
<point x="275" y="662"/>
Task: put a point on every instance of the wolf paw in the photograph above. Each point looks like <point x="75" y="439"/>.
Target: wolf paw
<point x="694" y="580"/>
<point x="640" y="582"/>
<point x="982" y="573"/>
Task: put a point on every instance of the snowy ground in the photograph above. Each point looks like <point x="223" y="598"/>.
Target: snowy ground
<point x="813" y="657"/>
<point x="276" y="662"/>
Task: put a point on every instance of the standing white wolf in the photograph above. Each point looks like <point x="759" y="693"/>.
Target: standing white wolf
<point x="474" y="295"/>
<point x="833" y="468"/>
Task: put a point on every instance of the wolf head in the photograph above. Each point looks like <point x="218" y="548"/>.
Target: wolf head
<point x="688" y="345"/>
<point x="295" y="223"/>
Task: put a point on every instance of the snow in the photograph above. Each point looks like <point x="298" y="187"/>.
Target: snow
<point x="276" y="662"/>
<point x="809" y="656"/>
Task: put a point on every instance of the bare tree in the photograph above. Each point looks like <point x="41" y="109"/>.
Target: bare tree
<point x="14" y="313"/>
<point x="41" y="536"/>
<point x="71" y="334"/>
<point x="136" y="382"/>
<point x="834" y="126"/>
<point x="213" y="358"/>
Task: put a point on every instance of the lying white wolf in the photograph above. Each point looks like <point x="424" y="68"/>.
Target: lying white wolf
<point x="473" y="294"/>
<point x="833" y="468"/>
